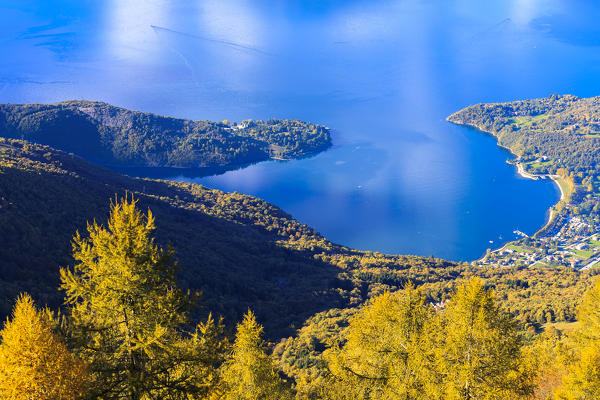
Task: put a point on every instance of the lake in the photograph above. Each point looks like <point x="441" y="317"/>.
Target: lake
<point x="383" y="75"/>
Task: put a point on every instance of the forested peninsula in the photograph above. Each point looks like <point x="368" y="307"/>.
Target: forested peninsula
<point x="547" y="134"/>
<point x="115" y="136"/>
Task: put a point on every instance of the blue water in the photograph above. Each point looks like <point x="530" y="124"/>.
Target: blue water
<point x="383" y="75"/>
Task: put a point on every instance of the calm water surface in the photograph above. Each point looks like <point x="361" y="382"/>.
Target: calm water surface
<point x="382" y="74"/>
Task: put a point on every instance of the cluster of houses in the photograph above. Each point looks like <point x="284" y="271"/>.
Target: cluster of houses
<point x="570" y="246"/>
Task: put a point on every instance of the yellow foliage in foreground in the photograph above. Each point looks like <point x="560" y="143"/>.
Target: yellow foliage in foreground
<point x="34" y="361"/>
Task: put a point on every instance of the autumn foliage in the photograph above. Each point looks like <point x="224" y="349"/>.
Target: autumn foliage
<point x="34" y="360"/>
<point x="127" y="334"/>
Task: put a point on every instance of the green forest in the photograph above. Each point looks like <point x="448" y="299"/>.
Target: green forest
<point x="111" y="135"/>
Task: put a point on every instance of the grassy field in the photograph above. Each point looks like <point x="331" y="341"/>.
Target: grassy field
<point x="566" y="187"/>
<point x="582" y="254"/>
<point x="564" y="327"/>
<point x="538" y="165"/>
<point x="521" y="249"/>
<point x="525" y="121"/>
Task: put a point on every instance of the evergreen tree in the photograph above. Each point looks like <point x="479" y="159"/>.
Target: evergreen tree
<point x="34" y="361"/>
<point x="478" y="349"/>
<point x="250" y="373"/>
<point x="383" y="355"/>
<point x="126" y="310"/>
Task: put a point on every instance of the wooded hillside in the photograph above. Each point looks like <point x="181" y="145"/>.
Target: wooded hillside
<point x="112" y="135"/>
<point x="238" y="250"/>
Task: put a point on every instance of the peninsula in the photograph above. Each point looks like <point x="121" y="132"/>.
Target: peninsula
<point x="115" y="136"/>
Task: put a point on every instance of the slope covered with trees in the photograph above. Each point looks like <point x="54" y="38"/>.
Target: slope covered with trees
<point x="127" y="331"/>
<point x="125" y="334"/>
<point x="110" y="345"/>
<point x="112" y="135"/>
<point x="239" y="251"/>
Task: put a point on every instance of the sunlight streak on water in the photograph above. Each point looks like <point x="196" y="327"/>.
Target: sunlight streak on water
<point x="383" y="74"/>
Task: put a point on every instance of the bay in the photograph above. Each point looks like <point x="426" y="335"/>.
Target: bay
<point x="382" y="74"/>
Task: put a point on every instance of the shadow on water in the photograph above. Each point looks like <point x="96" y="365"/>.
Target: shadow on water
<point x="200" y="172"/>
<point x="576" y="28"/>
<point x="170" y="172"/>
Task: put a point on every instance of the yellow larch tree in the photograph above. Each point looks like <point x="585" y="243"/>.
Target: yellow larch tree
<point x="34" y="360"/>
<point x="383" y="354"/>
<point x="582" y="382"/>
<point x="250" y="373"/>
<point x="127" y="314"/>
<point x="478" y="349"/>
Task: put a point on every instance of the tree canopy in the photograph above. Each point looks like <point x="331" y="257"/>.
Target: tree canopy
<point x="125" y="307"/>
<point x="34" y="360"/>
<point x="250" y="373"/>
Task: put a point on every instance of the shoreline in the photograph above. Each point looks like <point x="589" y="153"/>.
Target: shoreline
<point x="555" y="178"/>
<point x="524" y="174"/>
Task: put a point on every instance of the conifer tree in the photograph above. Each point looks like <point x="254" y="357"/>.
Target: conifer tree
<point x="582" y="381"/>
<point x="382" y="358"/>
<point x="201" y="355"/>
<point x="250" y="373"/>
<point x="588" y="315"/>
<point x="34" y="361"/>
<point x="478" y="349"/>
<point x="126" y="309"/>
